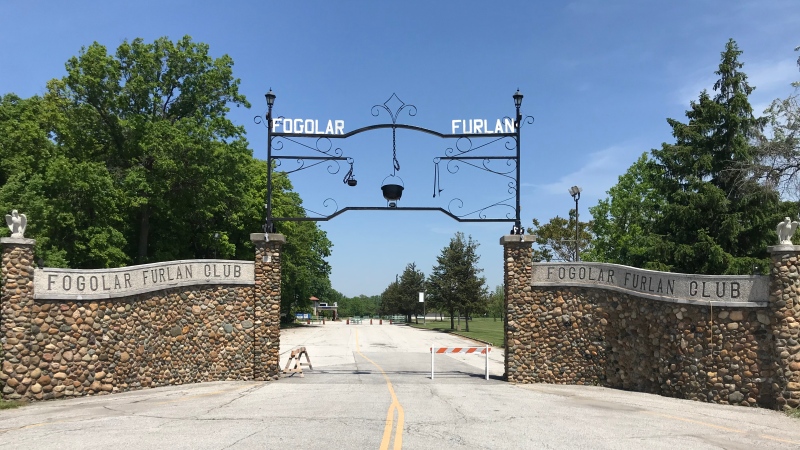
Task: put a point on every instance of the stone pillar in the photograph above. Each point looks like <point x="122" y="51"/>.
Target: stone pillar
<point x="784" y="305"/>
<point x="17" y="309"/>
<point x="517" y="264"/>
<point x="267" y="305"/>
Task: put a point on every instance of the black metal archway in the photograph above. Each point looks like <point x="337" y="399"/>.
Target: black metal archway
<point x="465" y="150"/>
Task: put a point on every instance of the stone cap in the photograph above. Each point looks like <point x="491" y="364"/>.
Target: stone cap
<point x="783" y="248"/>
<point x="273" y="237"/>
<point x="518" y="239"/>
<point x="17" y="241"/>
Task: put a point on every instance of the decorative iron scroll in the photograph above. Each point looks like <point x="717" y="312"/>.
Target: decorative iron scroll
<point x="463" y="153"/>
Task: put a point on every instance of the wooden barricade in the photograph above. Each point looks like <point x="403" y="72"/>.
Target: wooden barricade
<point x="294" y="365"/>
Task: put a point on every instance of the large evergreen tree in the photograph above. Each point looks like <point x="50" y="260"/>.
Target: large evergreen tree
<point x="700" y="215"/>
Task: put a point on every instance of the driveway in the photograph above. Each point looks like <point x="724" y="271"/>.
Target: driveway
<point x="371" y="388"/>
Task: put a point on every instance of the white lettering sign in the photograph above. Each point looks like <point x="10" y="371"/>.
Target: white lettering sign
<point x="306" y="126"/>
<point x="74" y="284"/>
<point x="482" y="126"/>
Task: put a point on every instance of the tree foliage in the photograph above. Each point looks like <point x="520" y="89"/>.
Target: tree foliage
<point x="556" y="238"/>
<point x="131" y="158"/>
<point x="496" y="306"/>
<point x="687" y="209"/>
<point x="777" y="155"/>
<point x="455" y="284"/>
<point x="403" y="296"/>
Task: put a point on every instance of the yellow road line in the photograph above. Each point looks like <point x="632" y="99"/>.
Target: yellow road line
<point x="395" y="406"/>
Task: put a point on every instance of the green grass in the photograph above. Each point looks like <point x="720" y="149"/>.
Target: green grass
<point x="481" y="328"/>
<point x="794" y="413"/>
<point x="5" y="404"/>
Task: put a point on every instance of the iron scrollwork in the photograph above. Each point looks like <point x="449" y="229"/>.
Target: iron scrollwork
<point x="463" y="151"/>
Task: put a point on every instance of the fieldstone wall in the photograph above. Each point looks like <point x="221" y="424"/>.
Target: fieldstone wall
<point x="267" y="294"/>
<point x="594" y="336"/>
<point x="58" y="348"/>
<point x="784" y="314"/>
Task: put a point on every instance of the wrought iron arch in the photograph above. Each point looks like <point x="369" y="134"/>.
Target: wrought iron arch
<point x="465" y="150"/>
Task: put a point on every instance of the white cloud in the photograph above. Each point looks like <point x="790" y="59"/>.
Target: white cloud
<point x="600" y="172"/>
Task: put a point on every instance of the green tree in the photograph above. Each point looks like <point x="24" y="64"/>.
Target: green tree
<point x="155" y="115"/>
<point x="412" y="282"/>
<point x="623" y="223"/>
<point x="455" y="284"/>
<point x="556" y="238"/>
<point x="131" y="158"/>
<point x="496" y="305"/>
<point x="699" y="215"/>
<point x="777" y="155"/>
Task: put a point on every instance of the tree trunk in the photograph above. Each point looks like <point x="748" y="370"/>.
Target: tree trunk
<point x="466" y="319"/>
<point x="144" y="232"/>
<point x="452" y="320"/>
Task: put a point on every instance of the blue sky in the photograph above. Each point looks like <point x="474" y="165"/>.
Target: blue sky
<point x="600" y="78"/>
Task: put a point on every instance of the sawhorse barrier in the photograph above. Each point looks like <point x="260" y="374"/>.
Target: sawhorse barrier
<point x="474" y="350"/>
<point x="294" y="365"/>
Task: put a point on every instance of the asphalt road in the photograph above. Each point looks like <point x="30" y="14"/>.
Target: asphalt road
<point x="370" y="387"/>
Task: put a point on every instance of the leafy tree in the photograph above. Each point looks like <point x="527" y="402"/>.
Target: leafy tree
<point x="699" y="215"/>
<point x="402" y="297"/>
<point x="455" y="284"/>
<point x="155" y="116"/>
<point x="777" y="156"/>
<point x="496" y="305"/>
<point x="622" y="224"/>
<point x="359" y="306"/>
<point x="556" y="239"/>
<point x="131" y="158"/>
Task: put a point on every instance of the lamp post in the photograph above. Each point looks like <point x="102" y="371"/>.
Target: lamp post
<point x="518" y="127"/>
<point x="270" y="96"/>
<point x="575" y="192"/>
<point x="216" y="243"/>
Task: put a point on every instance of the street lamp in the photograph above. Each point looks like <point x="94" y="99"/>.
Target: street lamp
<point x="575" y="192"/>
<point x="270" y="96"/>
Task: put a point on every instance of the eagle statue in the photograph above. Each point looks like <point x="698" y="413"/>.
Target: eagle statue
<point x="16" y="223"/>
<point x="786" y="230"/>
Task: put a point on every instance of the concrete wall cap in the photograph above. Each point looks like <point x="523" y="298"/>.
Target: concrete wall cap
<point x="523" y="239"/>
<point x="273" y="237"/>
<point x="783" y="248"/>
<point x="17" y="241"/>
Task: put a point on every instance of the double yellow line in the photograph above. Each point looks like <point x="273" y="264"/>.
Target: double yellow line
<point x="395" y="406"/>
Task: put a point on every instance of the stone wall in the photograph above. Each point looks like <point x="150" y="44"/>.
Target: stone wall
<point x="579" y="335"/>
<point x="64" y="348"/>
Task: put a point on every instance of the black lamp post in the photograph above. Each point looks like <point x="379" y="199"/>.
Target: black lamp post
<point x="518" y="127"/>
<point x="575" y="192"/>
<point x="518" y="103"/>
<point x="270" y="96"/>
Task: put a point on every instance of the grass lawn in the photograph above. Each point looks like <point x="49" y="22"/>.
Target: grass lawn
<point x="481" y="328"/>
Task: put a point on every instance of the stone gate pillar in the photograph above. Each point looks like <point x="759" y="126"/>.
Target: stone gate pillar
<point x="17" y="309"/>
<point x="784" y="306"/>
<point x="517" y="263"/>
<point x="267" y="305"/>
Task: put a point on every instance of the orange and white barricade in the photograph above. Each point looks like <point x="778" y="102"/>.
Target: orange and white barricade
<point x="474" y="350"/>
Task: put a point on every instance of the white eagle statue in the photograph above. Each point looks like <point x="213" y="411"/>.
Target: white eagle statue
<point x="16" y="223"/>
<point x="786" y="230"/>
